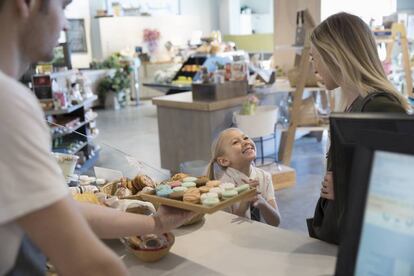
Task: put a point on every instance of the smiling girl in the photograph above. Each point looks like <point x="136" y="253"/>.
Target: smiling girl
<point x="234" y="153"/>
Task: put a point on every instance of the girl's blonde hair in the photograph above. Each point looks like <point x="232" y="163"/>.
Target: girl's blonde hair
<point x="348" y="49"/>
<point x="217" y="150"/>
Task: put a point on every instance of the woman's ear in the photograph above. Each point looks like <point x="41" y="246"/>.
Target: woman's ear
<point x="222" y="161"/>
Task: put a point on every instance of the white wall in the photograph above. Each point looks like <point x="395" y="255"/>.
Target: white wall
<point x="207" y="10"/>
<point x="81" y="9"/>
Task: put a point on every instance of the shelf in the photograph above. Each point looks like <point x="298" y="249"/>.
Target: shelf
<point x="88" y="164"/>
<point x="72" y="108"/>
<point x="62" y="150"/>
<point x="63" y="73"/>
<point x="55" y="136"/>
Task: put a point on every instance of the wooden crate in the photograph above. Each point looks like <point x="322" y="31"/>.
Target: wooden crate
<point x="282" y="177"/>
<point x="216" y="92"/>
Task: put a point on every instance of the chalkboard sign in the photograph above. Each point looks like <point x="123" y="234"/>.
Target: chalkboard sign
<point x="76" y="36"/>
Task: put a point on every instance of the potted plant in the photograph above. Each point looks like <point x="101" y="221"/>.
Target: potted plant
<point x="112" y="88"/>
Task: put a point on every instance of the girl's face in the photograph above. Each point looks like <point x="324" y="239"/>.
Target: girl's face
<point x="320" y="69"/>
<point x="239" y="150"/>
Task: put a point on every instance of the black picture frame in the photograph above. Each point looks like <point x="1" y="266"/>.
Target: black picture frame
<point x="76" y="36"/>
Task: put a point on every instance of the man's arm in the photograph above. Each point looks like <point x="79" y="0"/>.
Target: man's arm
<point x="63" y="235"/>
<point x="108" y="223"/>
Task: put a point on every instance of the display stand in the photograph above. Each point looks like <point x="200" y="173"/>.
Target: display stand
<point x="288" y="137"/>
<point x="397" y="33"/>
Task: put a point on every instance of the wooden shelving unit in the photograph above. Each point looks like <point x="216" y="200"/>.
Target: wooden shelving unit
<point x="396" y="34"/>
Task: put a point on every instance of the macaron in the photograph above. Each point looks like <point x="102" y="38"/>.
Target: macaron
<point x="164" y="192"/>
<point x="227" y="186"/>
<point x="211" y="201"/>
<point x="178" y="192"/>
<point x="208" y="195"/>
<point x="189" y="184"/>
<point x="229" y="194"/>
<point x="190" y="179"/>
<point x="162" y="187"/>
<point x="216" y="190"/>
<point x="242" y="188"/>
<point x="174" y="184"/>
<point x="205" y="189"/>
<point x="213" y="183"/>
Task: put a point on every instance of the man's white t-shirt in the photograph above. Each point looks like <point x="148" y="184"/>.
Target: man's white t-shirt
<point x="265" y="187"/>
<point x="30" y="179"/>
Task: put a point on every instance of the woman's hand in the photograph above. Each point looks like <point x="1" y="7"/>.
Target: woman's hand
<point x="327" y="190"/>
<point x="168" y="218"/>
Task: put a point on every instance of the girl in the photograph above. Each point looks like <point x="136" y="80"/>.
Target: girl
<point x="344" y="53"/>
<point x="234" y="152"/>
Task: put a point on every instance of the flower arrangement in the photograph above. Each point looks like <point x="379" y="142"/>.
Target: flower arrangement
<point x="151" y="37"/>
<point x="249" y="106"/>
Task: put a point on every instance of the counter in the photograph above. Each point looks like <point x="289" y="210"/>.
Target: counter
<point x="228" y="245"/>
<point x="187" y="128"/>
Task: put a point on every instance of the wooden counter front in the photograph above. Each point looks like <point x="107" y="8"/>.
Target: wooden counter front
<point x="187" y="128"/>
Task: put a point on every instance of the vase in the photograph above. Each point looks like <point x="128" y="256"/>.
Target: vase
<point x="112" y="100"/>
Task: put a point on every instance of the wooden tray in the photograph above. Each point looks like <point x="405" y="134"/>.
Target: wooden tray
<point x="198" y="208"/>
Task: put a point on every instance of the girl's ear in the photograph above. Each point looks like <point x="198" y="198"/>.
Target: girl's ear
<point x="222" y="161"/>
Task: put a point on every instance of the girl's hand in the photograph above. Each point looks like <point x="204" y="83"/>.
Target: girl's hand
<point x="258" y="201"/>
<point x="254" y="183"/>
<point x="327" y="190"/>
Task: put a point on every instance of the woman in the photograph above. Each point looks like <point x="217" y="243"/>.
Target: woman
<point x="344" y="53"/>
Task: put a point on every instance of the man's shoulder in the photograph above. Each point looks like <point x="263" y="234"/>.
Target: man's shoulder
<point x="15" y="96"/>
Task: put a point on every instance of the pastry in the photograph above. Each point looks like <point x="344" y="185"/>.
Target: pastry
<point x="162" y="187"/>
<point x="122" y="192"/>
<point x="148" y="191"/>
<point x="229" y="194"/>
<point x="204" y="189"/>
<point x="208" y="195"/>
<point x="213" y="183"/>
<point x="189" y="184"/>
<point x="242" y="188"/>
<point x="134" y="242"/>
<point x="227" y="186"/>
<point x="130" y="185"/>
<point x="174" y="184"/>
<point x="141" y="181"/>
<point x="217" y="190"/>
<point x="211" y="201"/>
<point x="190" y="179"/>
<point x="192" y="195"/>
<point x="178" y="192"/>
<point x="100" y="181"/>
<point x="202" y="180"/>
<point x="164" y="192"/>
<point x="179" y="176"/>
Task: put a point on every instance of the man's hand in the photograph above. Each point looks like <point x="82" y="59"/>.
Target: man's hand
<point x="168" y="218"/>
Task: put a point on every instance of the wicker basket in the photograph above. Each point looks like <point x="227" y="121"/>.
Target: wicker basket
<point x="154" y="255"/>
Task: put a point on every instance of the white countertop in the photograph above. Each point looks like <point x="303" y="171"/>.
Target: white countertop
<point x="227" y="245"/>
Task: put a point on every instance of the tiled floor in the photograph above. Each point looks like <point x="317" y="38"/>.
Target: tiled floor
<point x="135" y="132"/>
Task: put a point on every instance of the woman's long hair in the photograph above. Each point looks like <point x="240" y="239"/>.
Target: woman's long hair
<point x="349" y="51"/>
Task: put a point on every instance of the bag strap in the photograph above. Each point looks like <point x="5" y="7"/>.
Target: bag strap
<point x="371" y="96"/>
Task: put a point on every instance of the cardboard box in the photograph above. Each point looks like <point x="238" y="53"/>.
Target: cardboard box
<point x="282" y="176"/>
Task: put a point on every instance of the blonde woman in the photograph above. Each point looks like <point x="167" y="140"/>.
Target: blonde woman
<point x="344" y="53"/>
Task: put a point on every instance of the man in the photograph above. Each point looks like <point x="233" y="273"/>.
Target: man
<point x="36" y="212"/>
